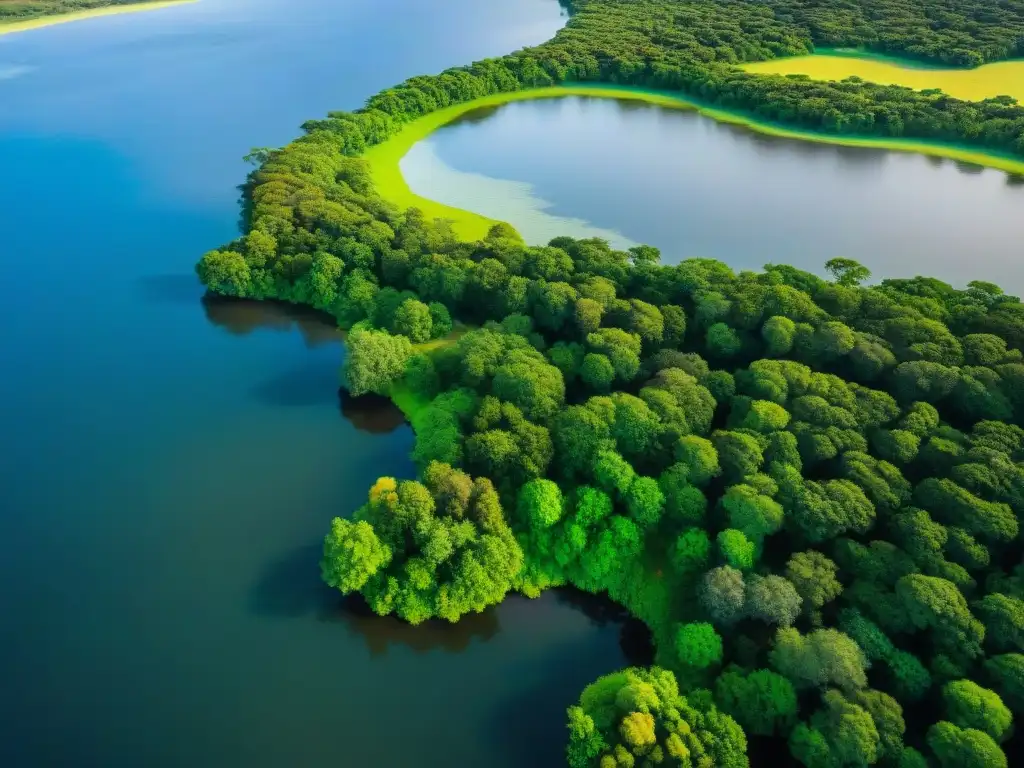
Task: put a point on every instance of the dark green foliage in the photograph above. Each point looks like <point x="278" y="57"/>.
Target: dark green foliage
<point x="763" y="702"/>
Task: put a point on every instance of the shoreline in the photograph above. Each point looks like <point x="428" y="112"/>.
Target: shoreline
<point x="384" y="159"/>
<point x="92" y="13"/>
<point x="996" y="78"/>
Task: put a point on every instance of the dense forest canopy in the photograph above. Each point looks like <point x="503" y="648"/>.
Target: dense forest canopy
<point x="23" y="10"/>
<point x="809" y="489"/>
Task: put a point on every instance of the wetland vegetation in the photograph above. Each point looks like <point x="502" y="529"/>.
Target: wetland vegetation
<point x="19" y="15"/>
<point x="808" y="489"/>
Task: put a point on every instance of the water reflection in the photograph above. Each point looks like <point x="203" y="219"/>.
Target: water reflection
<point x="635" y="638"/>
<point x="370" y="413"/>
<point x="243" y="316"/>
<point x="697" y="188"/>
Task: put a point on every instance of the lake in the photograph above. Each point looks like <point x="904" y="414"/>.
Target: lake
<point x="172" y="462"/>
<point x="632" y="172"/>
<point x="170" y="465"/>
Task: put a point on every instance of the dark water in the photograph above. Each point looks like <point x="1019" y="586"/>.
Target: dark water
<point x="169" y="465"/>
<point x="694" y="187"/>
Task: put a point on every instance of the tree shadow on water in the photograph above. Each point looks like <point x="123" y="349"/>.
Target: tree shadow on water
<point x="529" y="726"/>
<point x="370" y="413"/>
<point x="314" y="383"/>
<point x="243" y="316"/>
<point x="635" y="639"/>
<point x="291" y="588"/>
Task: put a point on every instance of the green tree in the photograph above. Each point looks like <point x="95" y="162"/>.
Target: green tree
<point x="847" y="271"/>
<point x="968" y="705"/>
<point x="374" y="361"/>
<point x="352" y="554"/>
<point x="815" y="578"/>
<point x="763" y="702"/>
<point x="413" y="319"/>
<point x="698" y="645"/>
<point x="955" y="747"/>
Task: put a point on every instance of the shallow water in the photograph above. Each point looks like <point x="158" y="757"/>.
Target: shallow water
<point x="633" y="172"/>
<point x="170" y="465"/>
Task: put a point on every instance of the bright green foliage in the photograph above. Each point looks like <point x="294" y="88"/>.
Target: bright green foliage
<point x="613" y="473"/>
<point x="955" y="747"/>
<point x="968" y="705"/>
<point x="842" y="733"/>
<point x="847" y="271"/>
<point x="352" y="554"/>
<point x="753" y="513"/>
<point x="226" y="273"/>
<point x="763" y="702"/>
<point x="834" y="406"/>
<point x="778" y="333"/>
<point x="1003" y="617"/>
<point x="375" y="360"/>
<point x="597" y="372"/>
<point x="722" y="341"/>
<point x="700" y="458"/>
<point x="540" y="504"/>
<point x="645" y="501"/>
<point x="698" y="645"/>
<point x="761" y="416"/>
<point x="637" y="714"/>
<point x="735" y="549"/>
<point x="451" y="551"/>
<point x="414" y="320"/>
<point x="691" y="551"/>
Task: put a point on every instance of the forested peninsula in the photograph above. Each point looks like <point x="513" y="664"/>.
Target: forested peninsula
<point x="19" y="15"/>
<point x="808" y="489"/>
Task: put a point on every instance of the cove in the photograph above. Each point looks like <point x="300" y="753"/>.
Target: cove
<point x="384" y="158"/>
<point x="171" y="463"/>
<point x="695" y="187"/>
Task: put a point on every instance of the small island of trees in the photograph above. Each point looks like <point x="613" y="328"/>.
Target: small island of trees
<point x="808" y="489"/>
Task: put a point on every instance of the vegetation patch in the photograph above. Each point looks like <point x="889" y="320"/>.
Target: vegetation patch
<point x="809" y="489"/>
<point x="23" y="15"/>
<point x="1004" y="78"/>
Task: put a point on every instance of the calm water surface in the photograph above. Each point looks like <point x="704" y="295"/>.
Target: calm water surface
<point x="169" y="465"/>
<point x="693" y="187"/>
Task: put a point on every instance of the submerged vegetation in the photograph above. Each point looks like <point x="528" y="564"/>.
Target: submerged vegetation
<point x="808" y="489"/>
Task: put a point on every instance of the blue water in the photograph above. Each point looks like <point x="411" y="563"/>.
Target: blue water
<point x="694" y="187"/>
<point x="169" y="465"/>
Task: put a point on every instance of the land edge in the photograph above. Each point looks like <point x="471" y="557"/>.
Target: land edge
<point x="384" y="159"/>
<point x="107" y="10"/>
